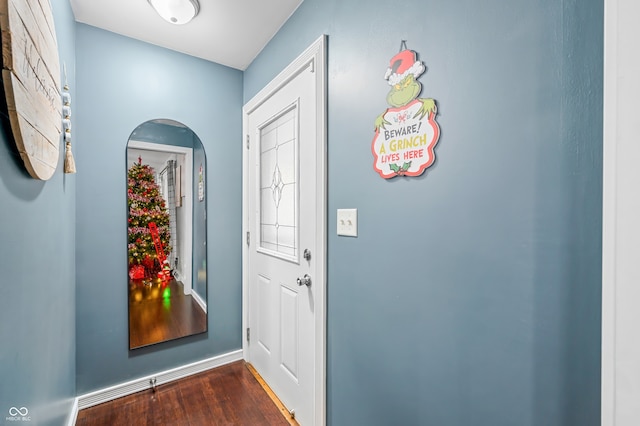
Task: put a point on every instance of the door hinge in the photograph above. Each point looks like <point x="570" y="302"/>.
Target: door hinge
<point x="248" y="334"/>
<point x="247" y="141"/>
<point x="248" y="238"/>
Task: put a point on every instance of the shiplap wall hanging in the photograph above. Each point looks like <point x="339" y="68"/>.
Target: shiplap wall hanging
<point x="31" y="76"/>
<point x="407" y="132"/>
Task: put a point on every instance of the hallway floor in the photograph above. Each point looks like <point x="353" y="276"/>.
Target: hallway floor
<point x="228" y="395"/>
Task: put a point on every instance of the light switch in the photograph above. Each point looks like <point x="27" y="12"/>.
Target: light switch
<point x="348" y="222"/>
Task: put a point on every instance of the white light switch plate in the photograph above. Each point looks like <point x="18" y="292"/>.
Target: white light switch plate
<point x="348" y="222"/>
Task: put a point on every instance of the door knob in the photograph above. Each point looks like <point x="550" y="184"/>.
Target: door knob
<point x="306" y="280"/>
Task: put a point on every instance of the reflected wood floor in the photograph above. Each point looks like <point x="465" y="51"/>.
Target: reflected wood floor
<point x="161" y="311"/>
<point x="228" y="395"/>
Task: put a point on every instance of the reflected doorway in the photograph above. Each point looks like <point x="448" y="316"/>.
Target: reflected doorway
<point x="166" y="261"/>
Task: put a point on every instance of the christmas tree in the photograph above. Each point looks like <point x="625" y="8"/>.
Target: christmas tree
<point x="146" y="205"/>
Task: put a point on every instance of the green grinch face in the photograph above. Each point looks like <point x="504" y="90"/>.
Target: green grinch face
<point x="404" y="92"/>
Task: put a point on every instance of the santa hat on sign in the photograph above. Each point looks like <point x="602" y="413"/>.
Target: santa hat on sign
<point x="403" y="64"/>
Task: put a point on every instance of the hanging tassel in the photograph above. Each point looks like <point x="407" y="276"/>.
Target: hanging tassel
<point x="69" y="162"/>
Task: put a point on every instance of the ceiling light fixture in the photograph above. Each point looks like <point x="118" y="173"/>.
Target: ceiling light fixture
<point x="176" y="11"/>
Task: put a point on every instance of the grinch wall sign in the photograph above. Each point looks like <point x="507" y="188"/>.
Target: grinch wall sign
<point x="407" y="132"/>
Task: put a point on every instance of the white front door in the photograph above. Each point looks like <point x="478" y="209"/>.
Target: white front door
<point x="285" y="219"/>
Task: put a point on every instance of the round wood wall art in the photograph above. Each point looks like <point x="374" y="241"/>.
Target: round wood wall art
<point x="31" y="77"/>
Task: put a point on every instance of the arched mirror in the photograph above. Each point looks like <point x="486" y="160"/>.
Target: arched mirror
<point x="166" y="233"/>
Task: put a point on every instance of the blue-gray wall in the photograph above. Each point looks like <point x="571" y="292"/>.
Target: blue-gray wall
<point x="163" y="134"/>
<point x="121" y="84"/>
<point x="37" y="272"/>
<point x="472" y="293"/>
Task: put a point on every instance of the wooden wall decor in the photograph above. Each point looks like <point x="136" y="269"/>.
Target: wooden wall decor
<point x="31" y="77"/>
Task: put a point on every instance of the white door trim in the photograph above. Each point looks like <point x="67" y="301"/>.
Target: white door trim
<point x="620" y="210"/>
<point x="316" y="56"/>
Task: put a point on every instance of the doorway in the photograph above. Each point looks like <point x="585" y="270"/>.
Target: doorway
<point x="284" y="255"/>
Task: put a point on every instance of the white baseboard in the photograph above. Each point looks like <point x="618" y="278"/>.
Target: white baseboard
<point x="73" y="416"/>
<point x="143" y="383"/>
<point x="199" y="301"/>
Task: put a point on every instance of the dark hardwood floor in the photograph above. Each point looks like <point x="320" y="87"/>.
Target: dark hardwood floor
<point x="161" y="311"/>
<point x="228" y="395"/>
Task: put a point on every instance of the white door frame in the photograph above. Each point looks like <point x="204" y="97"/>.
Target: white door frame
<point x="316" y="56"/>
<point x="621" y="210"/>
<point x="187" y="190"/>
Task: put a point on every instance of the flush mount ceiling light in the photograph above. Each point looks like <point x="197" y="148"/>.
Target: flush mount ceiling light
<point x="176" y="11"/>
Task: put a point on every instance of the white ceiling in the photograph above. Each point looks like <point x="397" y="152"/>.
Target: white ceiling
<point x="156" y="159"/>
<point x="229" y="32"/>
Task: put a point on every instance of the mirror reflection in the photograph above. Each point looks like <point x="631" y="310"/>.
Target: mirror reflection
<point x="166" y="233"/>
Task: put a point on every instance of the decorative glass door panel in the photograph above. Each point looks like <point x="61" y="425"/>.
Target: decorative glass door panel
<point x="279" y="194"/>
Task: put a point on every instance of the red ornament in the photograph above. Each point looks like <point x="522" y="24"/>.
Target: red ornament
<point x="136" y="272"/>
